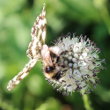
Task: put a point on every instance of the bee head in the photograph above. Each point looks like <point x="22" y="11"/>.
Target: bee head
<point x="49" y="69"/>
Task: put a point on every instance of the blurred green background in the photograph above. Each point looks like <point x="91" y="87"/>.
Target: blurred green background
<point x="86" y="17"/>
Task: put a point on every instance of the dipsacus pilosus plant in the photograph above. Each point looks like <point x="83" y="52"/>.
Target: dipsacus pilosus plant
<point x="72" y="64"/>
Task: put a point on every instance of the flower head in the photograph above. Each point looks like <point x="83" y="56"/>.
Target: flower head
<point x="79" y="65"/>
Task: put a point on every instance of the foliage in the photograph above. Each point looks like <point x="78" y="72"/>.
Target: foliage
<point x="86" y="17"/>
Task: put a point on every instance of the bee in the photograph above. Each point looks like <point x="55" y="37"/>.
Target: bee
<point x="50" y="58"/>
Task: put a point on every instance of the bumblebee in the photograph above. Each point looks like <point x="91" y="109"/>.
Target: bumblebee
<point x="50" y="58"/>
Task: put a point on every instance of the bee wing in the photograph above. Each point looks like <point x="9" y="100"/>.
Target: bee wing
<point x="38" y="34"/>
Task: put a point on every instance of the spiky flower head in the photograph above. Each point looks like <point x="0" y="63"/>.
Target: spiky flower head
<point x="79" y="65"/>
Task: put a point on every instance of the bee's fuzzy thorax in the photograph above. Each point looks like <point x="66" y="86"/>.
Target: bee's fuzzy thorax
<point x="79" y="64"/>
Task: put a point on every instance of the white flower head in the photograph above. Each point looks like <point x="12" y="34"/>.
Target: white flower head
<point x="78" y="62"/>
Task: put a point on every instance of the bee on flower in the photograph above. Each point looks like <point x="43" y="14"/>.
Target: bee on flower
<point x="70" y="65"/>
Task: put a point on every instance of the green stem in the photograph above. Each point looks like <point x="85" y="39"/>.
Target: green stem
<point x="87" y="102"/>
